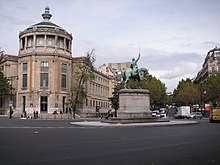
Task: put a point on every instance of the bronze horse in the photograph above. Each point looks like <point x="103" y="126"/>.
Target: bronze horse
<point x="129" y="73"/>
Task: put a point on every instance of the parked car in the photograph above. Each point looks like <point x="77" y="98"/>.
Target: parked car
<point x="155" y="113"/>
<point x="163" y="115"/>
<point x="195" y="115"/>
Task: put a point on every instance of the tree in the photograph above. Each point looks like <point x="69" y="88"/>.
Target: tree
<point x="115" y="98"/>
<point x="1" y="52"/>
<point x="83" y="72"/>
<point x="5" y="86"/>
<point x="158" y="96"/>
<point x="211" y="89"/>
<point x="186" y="93"/>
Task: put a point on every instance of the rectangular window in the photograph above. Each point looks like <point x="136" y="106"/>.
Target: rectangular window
<point x="44" y="64"/>
<point x="50" y="40"/>
<point x="213" y="69"/>
<point x="44" y="80"/>
<point x="29" y="41"/>
<point x="40" y="40"/>
<point x="64" y="68"/>
<point x="25" y="67"/>
<point x="63" y="81"/>
<point x="67" y="44"/>
<point x="86" y="102"/>
<point x="24" y="81"/>
<point x="60" y="42"/>
<point x="22" y="43"/>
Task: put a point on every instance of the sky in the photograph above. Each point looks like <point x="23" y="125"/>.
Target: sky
<point x="174" y="36"/>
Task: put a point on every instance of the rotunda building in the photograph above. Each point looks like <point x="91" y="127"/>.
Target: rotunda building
<point x="44" y="67"/>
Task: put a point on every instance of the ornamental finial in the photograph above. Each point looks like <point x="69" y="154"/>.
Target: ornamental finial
<point x="46" y="15"/>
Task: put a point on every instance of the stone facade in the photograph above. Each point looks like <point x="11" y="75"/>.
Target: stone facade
<point x="210" y="66"/>
<point x="114" y="72"/>
<point x="44" y="67"/>
<point x="44" y="70"/>
<point x="134" y="104"/>
<point x="9" y="67"/>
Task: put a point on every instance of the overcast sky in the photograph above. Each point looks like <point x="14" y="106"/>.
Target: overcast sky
<point x="174" y="35"/>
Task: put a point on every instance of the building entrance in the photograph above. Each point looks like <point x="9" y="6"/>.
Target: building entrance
<point x="64" y="106"/>
<point x="23" y="104"/>
<point x="43" y="104"/>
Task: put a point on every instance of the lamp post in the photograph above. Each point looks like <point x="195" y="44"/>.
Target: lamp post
<point x="203" y="93"/>
<point x="11" y="78"/>
<point x="97" y="110"/>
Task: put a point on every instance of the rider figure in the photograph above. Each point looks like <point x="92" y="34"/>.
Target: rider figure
<point x="134" y="66"/>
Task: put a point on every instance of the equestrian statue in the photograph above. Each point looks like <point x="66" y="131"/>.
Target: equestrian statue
<point x="134" y="73"/>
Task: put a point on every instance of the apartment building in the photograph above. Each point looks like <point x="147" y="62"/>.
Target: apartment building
<point x="210" y="66"/>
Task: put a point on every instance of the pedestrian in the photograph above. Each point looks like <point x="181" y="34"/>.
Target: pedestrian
<point x="25" y="114"/>
<point x="11" y="112"/>
<point x="34" y="115"/>
<point x="115" y="113"/>
<point x="70" y="110"/>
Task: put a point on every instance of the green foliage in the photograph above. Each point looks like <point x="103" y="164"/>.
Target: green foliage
<point x="186" y="93"/>
<point x="1" y="54"/>
<point x="158" y="96"/>
<point x="78" y="95"/>
<point x="115" y="98"/>
<point x="211" y="89"/>
<point x="83" y="72"/>
<point x="5" y="87"/>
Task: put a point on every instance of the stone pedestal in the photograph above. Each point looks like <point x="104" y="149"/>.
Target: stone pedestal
<point x="134" y="104"/>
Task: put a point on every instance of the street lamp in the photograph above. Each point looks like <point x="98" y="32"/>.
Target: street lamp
<point x="97" y="110"/>
<point x="11" y="78"/>
<point x="203" y="93"/>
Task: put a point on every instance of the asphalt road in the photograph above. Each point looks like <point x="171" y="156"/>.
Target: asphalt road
<point x="58" y="142"/>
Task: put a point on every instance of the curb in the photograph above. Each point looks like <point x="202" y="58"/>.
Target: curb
<point x="155" y="124"/>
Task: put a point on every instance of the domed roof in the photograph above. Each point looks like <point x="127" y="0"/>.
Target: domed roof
<point x="46" y="22"/>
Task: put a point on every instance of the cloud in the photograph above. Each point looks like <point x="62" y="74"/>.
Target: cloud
<point x="10" y="13"/>
<point x="184" y="69"/>
<point x="211" y="43"/>
<point x="171" y="33"/>
<point x="169" y="67"/>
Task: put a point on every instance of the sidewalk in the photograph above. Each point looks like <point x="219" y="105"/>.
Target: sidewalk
<point x="64" y="116"/>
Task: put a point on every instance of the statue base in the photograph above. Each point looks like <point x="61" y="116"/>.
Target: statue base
<point x="134" y="104"/>
<point x="134" y="107"/>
